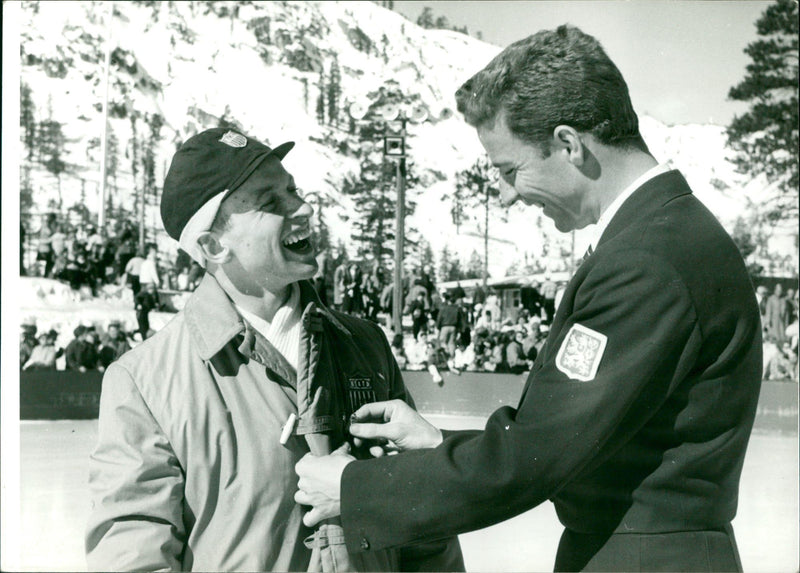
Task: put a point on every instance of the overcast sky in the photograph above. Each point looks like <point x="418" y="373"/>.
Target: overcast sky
<point x="679" y="57"/>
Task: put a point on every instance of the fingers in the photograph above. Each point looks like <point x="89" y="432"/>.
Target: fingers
<point x="376" y="410"/>
<point x="375" y="431"/>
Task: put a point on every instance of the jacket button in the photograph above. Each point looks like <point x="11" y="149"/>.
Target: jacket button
<point x="364" y="543"/>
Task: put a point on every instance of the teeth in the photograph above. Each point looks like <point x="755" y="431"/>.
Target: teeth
<point x="296" y="236"/>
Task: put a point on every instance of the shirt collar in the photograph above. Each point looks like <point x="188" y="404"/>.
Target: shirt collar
<point x="212" y="320"/>
<point x="611" y="210"/>
<point x="287" y="316"/>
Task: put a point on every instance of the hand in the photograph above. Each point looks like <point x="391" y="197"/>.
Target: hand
<point x="400" y="426"/>
<point x="319" y="483"/>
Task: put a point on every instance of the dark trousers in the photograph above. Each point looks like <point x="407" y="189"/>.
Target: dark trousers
<point x="708" y="550"/>
<point x="143" y="318"/>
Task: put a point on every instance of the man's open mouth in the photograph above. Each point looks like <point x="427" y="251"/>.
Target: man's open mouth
<point x="298" y="241"/>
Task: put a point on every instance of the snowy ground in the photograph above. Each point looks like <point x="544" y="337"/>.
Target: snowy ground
<point x="54" y="506"/>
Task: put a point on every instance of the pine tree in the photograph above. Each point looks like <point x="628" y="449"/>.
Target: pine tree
<point x="27" y="119"/>
<point x="321" y="99"/>
<point x="425" y="19"/>
<point x="477" y="186"/>
<point x="449" y="266"/>
<point x="334" y="92"/>
<point x="50" y="144"/>
<point x="374" y="196"/>
<point x="112" y="161"/>
<point x="766" y="137"/>
<point x="474" y="266"/>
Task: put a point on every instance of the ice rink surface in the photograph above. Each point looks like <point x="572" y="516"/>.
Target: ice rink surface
<point x="54" y="506"/>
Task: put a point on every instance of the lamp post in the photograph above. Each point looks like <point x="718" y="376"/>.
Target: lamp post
<point x="394" y="147"/>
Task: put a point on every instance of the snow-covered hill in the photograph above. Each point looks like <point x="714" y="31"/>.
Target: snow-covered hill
<point x="258" y="65"/>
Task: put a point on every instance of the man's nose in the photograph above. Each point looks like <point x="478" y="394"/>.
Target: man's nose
<point x="508" y="195"/>
<point x="299" y="208"/>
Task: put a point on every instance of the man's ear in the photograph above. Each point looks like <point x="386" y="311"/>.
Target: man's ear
<point x="569" y="142"/>
<point x="213" y="250"/>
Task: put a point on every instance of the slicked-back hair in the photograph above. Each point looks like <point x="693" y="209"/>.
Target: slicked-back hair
<point x="554" y="77"/>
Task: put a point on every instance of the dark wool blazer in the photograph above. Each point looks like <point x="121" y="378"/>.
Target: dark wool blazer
<point x="635" y="417"/>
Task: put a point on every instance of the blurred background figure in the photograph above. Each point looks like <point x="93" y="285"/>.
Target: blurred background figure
<point x="44" y="354"/>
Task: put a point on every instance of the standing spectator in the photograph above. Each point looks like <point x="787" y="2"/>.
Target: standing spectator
<point x="338" y="285"/>
<point x="113" y="344"/>
<point x="761" y="297"/>
<point x="419" y="315"/>
<point x="44" y="248"/>
<point x="58" y="241"/>
<point x="23" y="236"/>
<point x="132" y="270"/>
<point x="458" y="293"/>
<point x="125" y="252"/>
<point x="791" y="305"/>
<point x="352" y="303"/>
<point x="449" y="323"/>
<point x="146" y="300"/>
<point x="44" y="355"/>
<point x="775" y="316"/>
<point x="148" y="272"/>
<point x="549" y="298"/>
<point x="182" y="280"/>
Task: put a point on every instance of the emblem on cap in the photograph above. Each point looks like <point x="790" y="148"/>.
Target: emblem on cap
<point x="234" y="139"/>
<point x="581" y="352"/>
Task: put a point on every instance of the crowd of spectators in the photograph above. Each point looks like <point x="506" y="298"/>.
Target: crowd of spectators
<point x="779" y="319"/>
<point x="84" y="256"/>
<point x="448" y="330"/>
<point x="91" y="348"/>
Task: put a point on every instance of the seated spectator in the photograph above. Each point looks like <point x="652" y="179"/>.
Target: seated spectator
<point x="399" y="351"/>
<point x="515" y="359"/>
<point x="81" y="353"/>
<point x="436" y="359"/>
<point x="27" y="341"/>
<point x="113" y="344"/>
<point x="44" y="355"/>
<point x="465" y="358"/>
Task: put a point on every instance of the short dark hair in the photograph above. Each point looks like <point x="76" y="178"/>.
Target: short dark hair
<point x="554" y="77"/>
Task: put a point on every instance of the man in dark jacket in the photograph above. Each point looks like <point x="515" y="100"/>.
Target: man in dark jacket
<point x="449" y="322"/>
<point x="81" y="352"/>
<point x="637" y="413"/>
<point x="201" y="424"/>
<point x="146" y="301"/>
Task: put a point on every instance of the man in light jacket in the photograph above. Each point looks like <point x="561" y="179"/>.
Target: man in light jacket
<point x="193" y="469"/>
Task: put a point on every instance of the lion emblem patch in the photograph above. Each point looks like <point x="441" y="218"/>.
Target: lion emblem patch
<point x="581" y="352"/>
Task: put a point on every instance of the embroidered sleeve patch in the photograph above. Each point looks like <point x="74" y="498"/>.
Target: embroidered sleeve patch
<point x="581" y="352"/>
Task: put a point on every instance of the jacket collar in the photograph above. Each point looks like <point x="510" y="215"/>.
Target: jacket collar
<point x="653" y="194"/>
<point x="212" y="320"/>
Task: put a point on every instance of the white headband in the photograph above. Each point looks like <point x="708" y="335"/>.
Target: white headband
<point x="200" y="223"/>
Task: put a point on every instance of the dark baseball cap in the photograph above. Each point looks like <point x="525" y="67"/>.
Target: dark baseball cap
<point x="206" y="165"/>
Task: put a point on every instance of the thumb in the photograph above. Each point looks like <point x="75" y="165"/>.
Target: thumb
<point x="313" y="517"/>
<point x="344" y="449"/>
